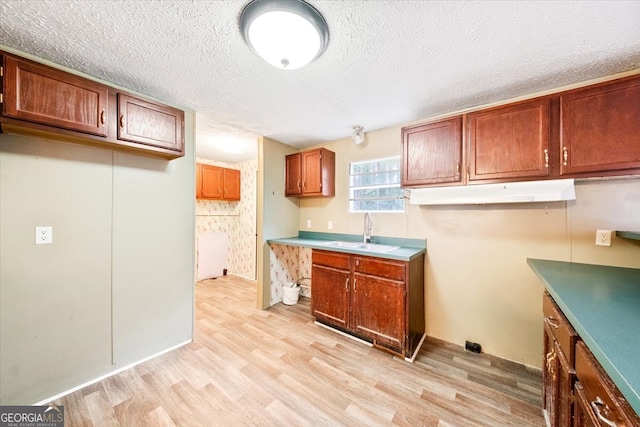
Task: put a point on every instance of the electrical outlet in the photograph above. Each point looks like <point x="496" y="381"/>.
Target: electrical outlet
<point x="308" y="223"/>
<point x="473" y="347"/>
<point x="330" y="225"/>
<point x="44" y="235"/>
<point x="603" y="238"/>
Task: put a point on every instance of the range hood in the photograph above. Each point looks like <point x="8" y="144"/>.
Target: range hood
<point x="510" y="192"/>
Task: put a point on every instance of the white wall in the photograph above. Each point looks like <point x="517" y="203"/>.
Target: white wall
<point x="116" y="284"/>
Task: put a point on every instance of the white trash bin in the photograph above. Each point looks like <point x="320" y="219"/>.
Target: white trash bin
<point x="290" y="294"/>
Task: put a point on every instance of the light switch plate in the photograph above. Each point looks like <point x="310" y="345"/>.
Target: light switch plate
<point x="44" y="235"/>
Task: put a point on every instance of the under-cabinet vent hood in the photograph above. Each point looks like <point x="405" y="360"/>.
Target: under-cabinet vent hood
<point x="510" y="192"/>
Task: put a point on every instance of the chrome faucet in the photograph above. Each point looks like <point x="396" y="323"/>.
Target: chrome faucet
<point x="368" y="225"/>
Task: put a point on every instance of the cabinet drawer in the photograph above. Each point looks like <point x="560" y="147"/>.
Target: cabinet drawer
<point x="603" y="397"/>
<point x="331" y="259"/>
<point x="559" y="327"/>
<point x="381" y="268"/>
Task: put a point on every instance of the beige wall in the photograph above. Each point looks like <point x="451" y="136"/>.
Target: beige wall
<point x="278" y="216"/>
<point x="116" y="284"/>
<point x="478" y="285"/>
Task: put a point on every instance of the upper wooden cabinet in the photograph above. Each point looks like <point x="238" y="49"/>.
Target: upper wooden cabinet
<point x="310" y="173"/>
<point x="600" y="128"/>
<point x="586" y="132"/>
<point x="217" y="183"/>
<point x="42" y="94"/>
<point x="150" y="123"/>
<point x="432" y="153"/>
<point x="510" y="142"/>
<point x="51" y="103"/>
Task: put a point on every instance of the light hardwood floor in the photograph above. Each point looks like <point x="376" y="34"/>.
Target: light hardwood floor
<point x="275" y="367"/>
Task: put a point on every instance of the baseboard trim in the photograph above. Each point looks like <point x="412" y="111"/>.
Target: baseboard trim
<point x="109" y="374"/>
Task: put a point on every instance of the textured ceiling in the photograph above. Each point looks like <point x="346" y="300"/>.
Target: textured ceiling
<point x="387" y="63"/>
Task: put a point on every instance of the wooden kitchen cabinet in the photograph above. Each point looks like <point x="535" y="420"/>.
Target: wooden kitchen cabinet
<point x="150" y="123"/>
<point x="376" y="299"/>
<point x="600" y="129"/>
<point x="599" y="402"/>
<point x="432" y="153"/>
<point x="310" y="173"/>
<point x="331" y="288"/>
<point x="50" y="103"/>
<point x="217" y="183"/>
<point x="558" y="373"/>
<point x="40" y="94"/>
<point x="511" y="141"/>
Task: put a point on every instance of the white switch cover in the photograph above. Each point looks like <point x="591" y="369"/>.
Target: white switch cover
<point x="308" y="223"/>
<point x="330" y="225"/>
<point x="44" y="235"/>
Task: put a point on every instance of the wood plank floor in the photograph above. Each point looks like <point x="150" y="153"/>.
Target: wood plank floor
<point x="275" y="367"/>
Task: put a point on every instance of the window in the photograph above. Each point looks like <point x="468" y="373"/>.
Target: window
<point x="375" y="186"/>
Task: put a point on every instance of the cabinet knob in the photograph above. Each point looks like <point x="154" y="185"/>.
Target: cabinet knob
<point x="565" y="156"/>
<point x="596" y="405"/>
<point x="458" y="167"/>
<point x="546" y="158"/>
<point x="102" y="117"/>
<point x="346" y="285"/>
<point x="122" y="121"/>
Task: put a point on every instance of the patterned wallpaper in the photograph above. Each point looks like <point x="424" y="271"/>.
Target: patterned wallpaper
<point x="288" y="264"/>
<point x="237" y="219"/>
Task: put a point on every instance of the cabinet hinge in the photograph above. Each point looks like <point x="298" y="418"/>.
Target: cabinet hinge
<point x="0" y="98"/>
<point x="1" y="71"/>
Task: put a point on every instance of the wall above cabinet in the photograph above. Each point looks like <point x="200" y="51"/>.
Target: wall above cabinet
<point x="46" y="102"/>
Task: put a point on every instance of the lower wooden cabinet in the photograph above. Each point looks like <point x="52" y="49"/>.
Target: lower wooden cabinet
<point x="600" y="401"/>
<point x="557" y="374"/>
<point x="577" y="392"/>
<point x="376" y="299"/>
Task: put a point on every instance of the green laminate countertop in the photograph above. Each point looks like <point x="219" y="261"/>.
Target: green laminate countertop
<point x="406" y="251"/>
<point x="602" y="303"/>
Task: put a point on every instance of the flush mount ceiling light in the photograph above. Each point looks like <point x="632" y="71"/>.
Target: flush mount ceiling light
<point x="287" y="34"/>
<point x="358" y="135"/>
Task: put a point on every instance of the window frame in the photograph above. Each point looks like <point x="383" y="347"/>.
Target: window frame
<point x="352" y="200"/>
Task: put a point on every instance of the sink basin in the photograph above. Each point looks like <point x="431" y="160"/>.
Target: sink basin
<point x="375" y="247"/>
<point x="372" y="247"/>
<point x="341" y="244"/>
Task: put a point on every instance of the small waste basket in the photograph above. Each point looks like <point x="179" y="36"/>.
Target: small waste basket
<point x="290" y="294"/>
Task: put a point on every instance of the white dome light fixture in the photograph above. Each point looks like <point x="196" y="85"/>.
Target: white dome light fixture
<point x="288" y="34"/>
<point x="358" y="135"/>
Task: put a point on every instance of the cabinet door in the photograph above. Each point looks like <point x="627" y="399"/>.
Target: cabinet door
<point x="149" y="123"/>
<point x="312" y="172"/>
<point x="565" y="389"/>
<point x="432" y="153"/>
<point x="212" y="182"/>
<point x="600" y="128"/>
<point x="330" y="295"/>
<point x="293" y="175"/>
<point x="45" y="95"/>
<point x="378" y="301"/>
<point x="231" y="184"/>
<point x="510" y="142"/>
<point x="550" y="378"/>
<point x="379" y="310"/>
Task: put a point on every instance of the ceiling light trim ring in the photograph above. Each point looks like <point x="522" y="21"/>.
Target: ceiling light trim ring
<point x="257" y="8"/>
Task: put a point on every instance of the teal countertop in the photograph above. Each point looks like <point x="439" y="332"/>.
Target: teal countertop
<point x="408" y="248"/>
<point x="602" y="303"/>
<point x="633" y="235"/>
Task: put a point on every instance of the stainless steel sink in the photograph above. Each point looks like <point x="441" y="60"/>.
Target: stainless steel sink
<point x="371" y="247"/>
<point x="341" y="244"/>
<point x="375" y="247"/>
